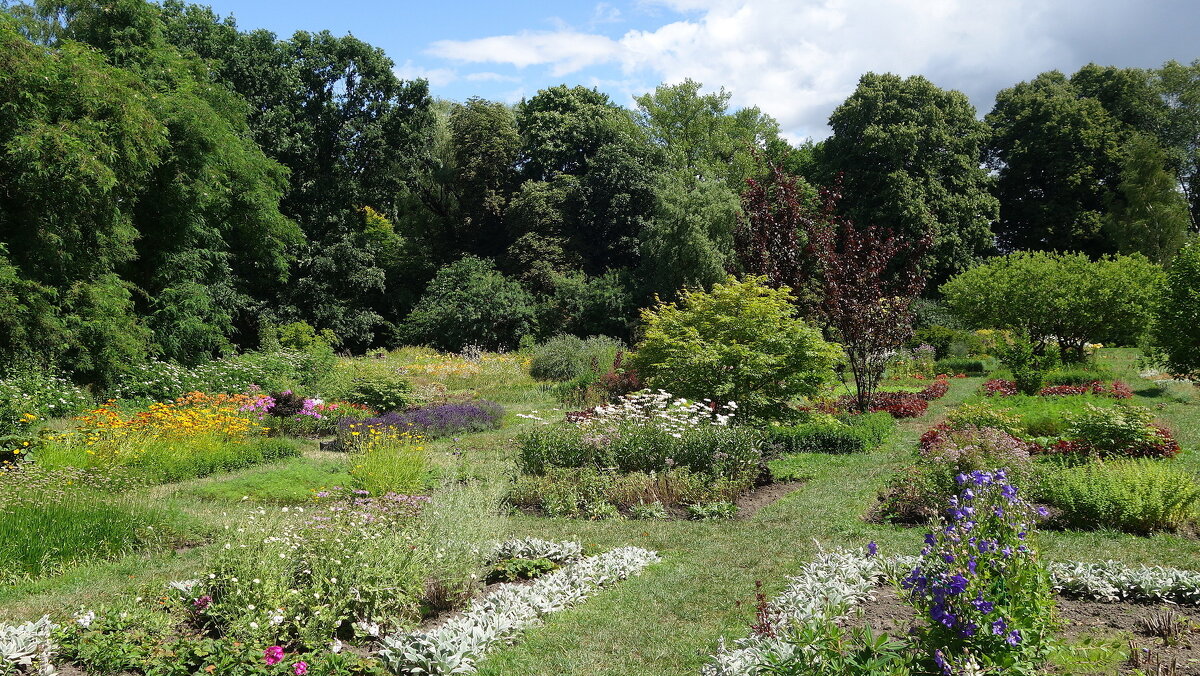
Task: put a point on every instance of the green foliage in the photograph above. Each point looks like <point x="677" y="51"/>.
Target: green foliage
<point x="1174" y="341"/>
<point x="1047" y="418"/>
<point x="587" y="306"/>
<point x="982" y="414"/>
<point x="1136" y="496"/>
<point x="1066" y="297"/>
<point x="882" y="147"/>
<point x="513" y="570"/>
<point x="170" y="461"/>
<point x="391" y="465"/>
<point x="273" y="371"/>
<point x="712" y="511"/>
<point x="1147" y="215"/>
<point x="965" y="365"/>
<point x="381" y="389"/>
<point x="740" y="342"/>
<point x="851" y="434"/>
<point x="566" y="357"/>
<point x="826" y="648"/>
<point x="1028" y="368"/>
<point x="469" y="303"/>
<point x="645" y="495"/>
<point x="1057" y="158"/>
<point x="1079" y="375"/>
<point x="32" y="394"/>
<point x="1114" y="431"/>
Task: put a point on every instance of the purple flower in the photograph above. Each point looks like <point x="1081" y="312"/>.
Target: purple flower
<point x="958" y="584"/>
<point x="872" y="548"/>
<point x="1013" y="638"/>
<point x="999" y="626"/>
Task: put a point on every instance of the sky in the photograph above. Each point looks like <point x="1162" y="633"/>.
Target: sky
<point x="795" y="59"/>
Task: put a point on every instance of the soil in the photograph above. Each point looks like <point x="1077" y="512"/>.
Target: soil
<point x="762" y="496"/>
<point x="1080" y="621"/>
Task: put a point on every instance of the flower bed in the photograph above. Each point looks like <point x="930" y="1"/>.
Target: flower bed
<point x="1008" y="388"/>
<point x="500" y="617"/>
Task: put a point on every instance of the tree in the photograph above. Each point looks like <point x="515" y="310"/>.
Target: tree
<point x="910" y="153"/>
<point x="870" y="278"/>
<point x="1173" y="340"/>
<point x="1179" y="85"/>
<point x="1057" y="158"/>
<point x="740" y="342"/>
<point x="1147" y="214"/>
<point x="687" y="244"/>
<point x="579" y="132"/>
<point x="1063" y="297"/>
<point x="469" y="303"/>
<point x="771" y="239"/>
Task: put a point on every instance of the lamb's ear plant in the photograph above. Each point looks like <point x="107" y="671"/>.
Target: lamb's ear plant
<point x="27" y="648"/>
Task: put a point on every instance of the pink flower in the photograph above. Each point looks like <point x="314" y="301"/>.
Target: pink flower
<point x="300" y="668"/>
<point x="273" y="655"/>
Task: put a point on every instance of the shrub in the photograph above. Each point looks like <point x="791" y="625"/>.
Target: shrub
<point x="273" y="370"/>
<point x="1135" y="496"/>
<point x="851" y="434"/>
<point x="940" y="337"/>
<point x="1173" y="340"/>
<point x="740" y="342"/>
<point x="566" y="357"/>
<point x="470" y="303"/>
<point x="1121" y="431"/>
<point x="1079" y="375"/>
<point x="712" y="511"/>
<point x="570" y="491"/>
<point x="971" y="367"/>
<point x="31" y="395"/>
<point x="1028" y="368"/>
<point x="981" y="415"/>
<point x="917" y="492"/>
<point x="1066" y="296"/>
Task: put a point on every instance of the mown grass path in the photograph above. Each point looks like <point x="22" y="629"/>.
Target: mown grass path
<point x="668" y="621"/>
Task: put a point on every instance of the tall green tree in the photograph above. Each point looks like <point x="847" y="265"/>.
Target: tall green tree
<point x="1179" y="85"/>
<point x="579" y="132"/>
<point x="1147" y="213"/>
<point x="332" y="111"/>
<point x="79" y="139"/>
<point x="909" y="152"/>
<point x="1057" y="158"/>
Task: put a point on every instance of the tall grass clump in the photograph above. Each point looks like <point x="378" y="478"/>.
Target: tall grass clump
<point x="51" y="520"/>
<point x="566" y="357"/>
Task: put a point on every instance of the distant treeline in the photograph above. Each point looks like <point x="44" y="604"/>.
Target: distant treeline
<point x="171" y="184"/>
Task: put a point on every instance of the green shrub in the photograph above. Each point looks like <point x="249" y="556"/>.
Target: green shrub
<point x="270" y="370"/>
<point x="1111" y="430"/>
<point x="470" y="303"/>
<point x="983" y="414"/>
<point x="513" y="570"/>
<point x="740" y="342"/>
<point x="970" y="367"/>
<point x="383" y="392"/>
<point x="1079" y="376"/>
<point x="566" y="357"/>
<point x="1173" y="339"/>
<point x="712" y="511"/>
<point x="855" y="435"/>
<point x="942" y="338"/>
<point x="1028" y="368"/>
<point x="576" y="491"/>
<point x="1136" y="496"/>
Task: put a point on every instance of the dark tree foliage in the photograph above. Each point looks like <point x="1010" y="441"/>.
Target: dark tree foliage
<point x="771" y="239"/>
<point x="470" y="303"/>
<point x="870" y="279"/>
<point x="910" y="154"/>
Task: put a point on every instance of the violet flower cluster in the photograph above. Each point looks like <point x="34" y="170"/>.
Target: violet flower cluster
<point x="442" y="420"/>
<point x="986" y="596"/>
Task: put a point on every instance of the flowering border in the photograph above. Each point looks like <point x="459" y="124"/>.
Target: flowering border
<point x="500" y="617"/>
<point x="829" y="587"/>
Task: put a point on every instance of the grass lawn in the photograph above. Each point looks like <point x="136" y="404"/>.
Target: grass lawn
<point x="667" y="621"/>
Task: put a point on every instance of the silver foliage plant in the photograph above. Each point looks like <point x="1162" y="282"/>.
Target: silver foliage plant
<point x="1112" y="582"/>
<point x="536" y="548"/>
<point x="500" y="617"/>
<point x="27" y="647"/>
<point x="830" y="587"/>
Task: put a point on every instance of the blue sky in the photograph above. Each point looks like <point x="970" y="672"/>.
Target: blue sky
<point x="795" y="59"/>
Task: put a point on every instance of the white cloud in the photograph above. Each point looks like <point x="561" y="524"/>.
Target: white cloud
<point x="797" y="59"/>
<point x="487" y="76"/>
<point x="437" y="76"/>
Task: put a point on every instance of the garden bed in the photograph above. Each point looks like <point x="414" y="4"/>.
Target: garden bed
<point x="1111" y="628"/>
